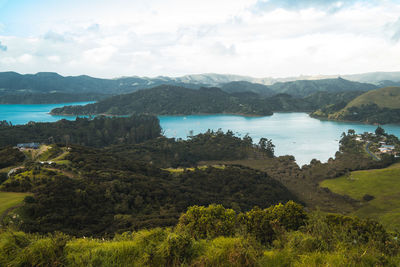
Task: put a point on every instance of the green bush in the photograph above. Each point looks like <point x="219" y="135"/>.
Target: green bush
<point x="257" y="223"/>
<point x="177" y="249"/>
<point x="210" y="222"/>
<point x="291" y="215"/>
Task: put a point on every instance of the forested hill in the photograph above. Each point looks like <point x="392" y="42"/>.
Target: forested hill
<point x="97" y="132"/>
<point x="243" y="86"/>
<point x="377" y="106"/>
<point x="303" y="88"/>
<point x="173" y="100"/>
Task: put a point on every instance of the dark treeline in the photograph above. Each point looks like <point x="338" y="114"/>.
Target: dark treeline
<point x="98" y="132"/>
<point x="173" y="100"/>
<point x="371" y="113"/>
<point x="10" y="156"/>
<point x="165" y="152"/>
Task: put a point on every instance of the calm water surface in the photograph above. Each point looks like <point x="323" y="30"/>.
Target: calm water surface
<point x="292" y="133"/>
<point x="21" y="114"/>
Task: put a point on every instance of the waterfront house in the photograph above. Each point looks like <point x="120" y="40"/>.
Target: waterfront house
<point x="28" y="145"/>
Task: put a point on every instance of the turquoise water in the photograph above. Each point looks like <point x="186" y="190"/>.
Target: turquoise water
<point x="292" y="133"/>
<point x="21" y="114"/>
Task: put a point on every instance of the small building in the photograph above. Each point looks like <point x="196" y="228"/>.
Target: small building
<point x="391" y="147"/>
<point x="28" y="145"/>
<point x="384" y="150"/>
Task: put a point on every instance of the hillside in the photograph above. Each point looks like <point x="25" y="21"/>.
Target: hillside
<point x="388" y="97"/>
<point x="305" y="88"/>
<point x="382" y="188"/>
<point x="21" y="88"/>
<point x="99" y="132"/>
<point x="376" y="106"/>
<point x="49" y="87"/>
<point x="173" y="100"/>
<point x="88" y="191"/>
<point x="243" y="86"/>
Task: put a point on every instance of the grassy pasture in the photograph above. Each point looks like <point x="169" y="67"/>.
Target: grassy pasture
<point x="382" y="184"/>
<point x="10" y="199"/>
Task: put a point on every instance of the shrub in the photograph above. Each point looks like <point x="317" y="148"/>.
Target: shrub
<point x="291" y="215"/>
<point x="177" y="249"/>
<point x="210" y="222"/>
<point x="257" y="223"/>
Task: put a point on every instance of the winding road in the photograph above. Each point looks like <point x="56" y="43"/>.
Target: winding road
<point x="370" y="153"/>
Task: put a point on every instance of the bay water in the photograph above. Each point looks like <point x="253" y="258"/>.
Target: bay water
<point x="294" y="133"/>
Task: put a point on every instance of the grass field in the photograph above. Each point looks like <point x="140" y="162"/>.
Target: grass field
<point x="383" y="184"/>
<point x="9" y="199"/>
<point x="180" y="170"/>
<point x="385" y="98"/>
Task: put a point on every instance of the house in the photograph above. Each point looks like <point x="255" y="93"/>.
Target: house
<point x="28" y="145"/>
<point x="384" y="150"/>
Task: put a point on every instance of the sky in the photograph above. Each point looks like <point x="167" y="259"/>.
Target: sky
<point x="259" y="38"/>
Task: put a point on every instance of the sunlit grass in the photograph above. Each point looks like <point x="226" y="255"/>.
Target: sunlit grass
<point x="10" y="199"/>
<point x="382" y="184"/>
<point x="181" y="170"/>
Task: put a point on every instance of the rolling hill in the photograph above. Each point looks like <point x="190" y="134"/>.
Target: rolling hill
<point x="377" y="106"/>
<point x="243" y="86"/>
<point x="305" y="88"/>
<point x="381" y="184"/>
<point x="388" y="97"/>
<point x="173" y="100"/>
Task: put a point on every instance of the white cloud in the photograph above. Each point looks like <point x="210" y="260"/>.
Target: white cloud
<point x="181" y="37"/>
<point x="25" y="58"/>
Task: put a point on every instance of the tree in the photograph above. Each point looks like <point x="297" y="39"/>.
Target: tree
<point x="267" y="146"/>
<point x="379" y="131"/>
<point x="351" y="132"/>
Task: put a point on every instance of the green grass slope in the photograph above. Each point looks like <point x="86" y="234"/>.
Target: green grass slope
<point x="383" y="184"/>
<point x="9" y="200"/>
<point x="379" y="106"/>
<point x="388" y="97"/>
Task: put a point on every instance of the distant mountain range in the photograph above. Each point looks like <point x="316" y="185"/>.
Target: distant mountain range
<point x="18" y="88"/>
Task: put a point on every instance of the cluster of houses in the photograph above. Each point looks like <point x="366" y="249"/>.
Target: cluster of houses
<point x="386" y="149"/>
<point x="24" y="146"/>
<point x="382" y="147"/>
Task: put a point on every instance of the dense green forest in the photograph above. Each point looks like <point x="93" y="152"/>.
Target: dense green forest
<point x="100" y="191"/>
<point x="98" y="132"/>
<point x="168" y="152"/>
<point x="172" y="100"/>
